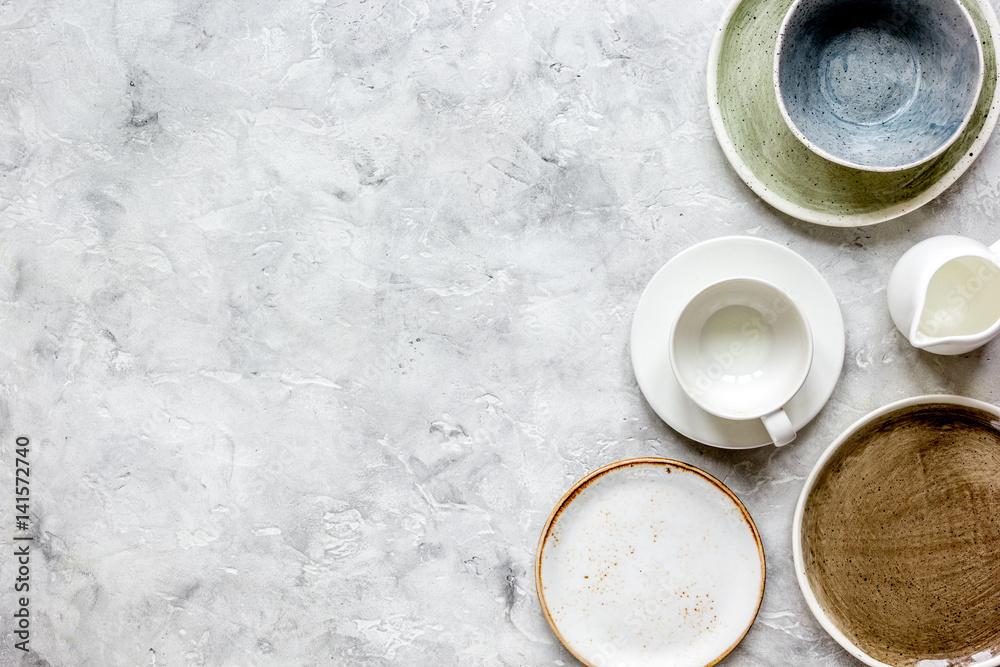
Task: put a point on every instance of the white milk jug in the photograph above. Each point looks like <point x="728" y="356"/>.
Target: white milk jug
<point x="944" y="294"/>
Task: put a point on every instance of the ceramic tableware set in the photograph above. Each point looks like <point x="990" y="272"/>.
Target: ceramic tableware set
<point x="838" y="112"/>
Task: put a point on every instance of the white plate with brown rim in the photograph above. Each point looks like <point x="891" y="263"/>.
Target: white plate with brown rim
<point x="650" y="561"/>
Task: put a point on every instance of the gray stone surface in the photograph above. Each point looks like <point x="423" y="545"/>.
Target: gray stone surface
<point x="313" y="310"/>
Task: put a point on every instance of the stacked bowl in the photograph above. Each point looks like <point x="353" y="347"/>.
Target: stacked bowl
<point x="852" y="112"/>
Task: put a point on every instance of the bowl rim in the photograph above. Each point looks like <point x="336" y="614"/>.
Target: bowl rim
<point x="573" y="490"/>
<point x="945" y="145"/>
<point x="797" y="557"/>
<point x="789" y="392"/>
<point x="746" y="170"/>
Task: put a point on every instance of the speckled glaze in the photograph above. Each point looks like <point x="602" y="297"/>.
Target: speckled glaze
<point x="781" y="170"/>
<point x="879" y="85"/>
<point x="650" y="561"/>
<point x="896" y="533"/>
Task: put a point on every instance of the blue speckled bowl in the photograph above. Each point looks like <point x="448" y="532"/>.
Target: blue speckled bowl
<point x="879" y="85"/>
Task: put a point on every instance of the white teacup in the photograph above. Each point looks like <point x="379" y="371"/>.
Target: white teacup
<point x="741" y="349"/>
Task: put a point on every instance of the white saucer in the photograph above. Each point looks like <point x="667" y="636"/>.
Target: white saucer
<point x="650" y="562"/>
<point x="685" y="275"/>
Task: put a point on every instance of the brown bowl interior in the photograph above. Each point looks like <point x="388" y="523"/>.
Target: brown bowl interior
<point x="901" y="536"/>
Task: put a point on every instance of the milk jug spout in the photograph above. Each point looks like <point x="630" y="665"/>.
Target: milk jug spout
<point x="944" y="294"/>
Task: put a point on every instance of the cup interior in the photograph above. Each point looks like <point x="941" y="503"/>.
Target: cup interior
<point x="878" y="85"/>
<point x="741" y="348"/>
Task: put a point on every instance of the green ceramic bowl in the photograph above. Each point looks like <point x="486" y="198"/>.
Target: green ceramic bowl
<point x="782" y="170"/>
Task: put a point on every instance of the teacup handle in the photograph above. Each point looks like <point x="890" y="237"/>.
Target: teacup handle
<point x="779" y="427"/>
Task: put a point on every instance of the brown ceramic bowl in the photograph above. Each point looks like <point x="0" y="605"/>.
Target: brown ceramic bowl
<point x="896" y="536"/>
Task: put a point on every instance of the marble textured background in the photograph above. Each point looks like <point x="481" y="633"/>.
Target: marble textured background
<point x="312" y="310"/>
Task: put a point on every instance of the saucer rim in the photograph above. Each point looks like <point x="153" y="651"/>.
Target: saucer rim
<point x="943" y="182"/>
<point x="799" y="263"/>
<point x="798" y="560"/>
<point x="572" y="493"/>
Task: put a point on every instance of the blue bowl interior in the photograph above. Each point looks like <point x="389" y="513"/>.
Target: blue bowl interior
<point x="878" y="84"/>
